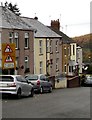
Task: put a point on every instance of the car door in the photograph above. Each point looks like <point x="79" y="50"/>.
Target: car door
<point x="24" y="86"/>
<point x="44" y="82"/>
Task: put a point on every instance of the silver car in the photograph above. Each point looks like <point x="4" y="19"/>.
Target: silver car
<point x="40" y="82"/>
<point x="88" y="81"/>
<point x="15" y="85"/>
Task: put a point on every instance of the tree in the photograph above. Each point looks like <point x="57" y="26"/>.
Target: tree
<point x="13" y="8"/>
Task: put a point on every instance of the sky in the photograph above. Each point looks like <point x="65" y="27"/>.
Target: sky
<point x="74" y="15"/>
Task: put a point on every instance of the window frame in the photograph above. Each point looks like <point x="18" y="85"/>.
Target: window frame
<point x="40" y="47"/>
<point x="16" y="39"/>
<point x="57" y="63"/>
<point x="41" y="67"/>
<point x="73" y="49"/>
<point x="26" y="62"/>
<point x="50" y="46"/>
<point x="26" y="40"/>
<point x="65" y="68"/>
<point x="11" y="34"/>
<point x="57" y="45"/>
<point x="47" y="46"/>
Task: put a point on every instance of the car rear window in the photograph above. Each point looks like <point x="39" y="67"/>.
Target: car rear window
<point x="6" y="78"/>
<point x="32" y="77"/>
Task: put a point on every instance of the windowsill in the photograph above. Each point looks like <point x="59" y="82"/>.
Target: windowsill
<point x="40" y="54"/>
<point x="47" y="52"/>
<point x="57" y="51"/>
<point x="17" y="48"/>
<point x="57" y="70"/>
<point x="26" y="48"/>
<point x="51" y="52"/>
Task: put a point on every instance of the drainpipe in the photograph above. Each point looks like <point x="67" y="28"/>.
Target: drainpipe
<point x="46" y="56"/>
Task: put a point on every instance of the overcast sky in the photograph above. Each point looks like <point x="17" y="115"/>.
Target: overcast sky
<point x="74" y="15"/>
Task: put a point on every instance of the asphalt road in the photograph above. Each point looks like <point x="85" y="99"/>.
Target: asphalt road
<point x="61" y="103"/>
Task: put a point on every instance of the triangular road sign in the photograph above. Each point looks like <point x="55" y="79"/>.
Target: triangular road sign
<point x="8" y="49"/>
<point x="8" y="59"/>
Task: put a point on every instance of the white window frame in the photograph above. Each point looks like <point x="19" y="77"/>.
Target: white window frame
<point x="57" y="46"/>
<point x="16" y="37"/>
<point x="65" y="51"/>
<point x="57" y="63"/>
<point x="26" y="62"/>
<point x="41" y="67"/>
<point x="26" y="40"/>
<point x="40" y="46"/>
<point x="11" y="37"/>
<point x="50" y="46"/>
<point x="70" y="50"/>
<point x="47" y="45"/>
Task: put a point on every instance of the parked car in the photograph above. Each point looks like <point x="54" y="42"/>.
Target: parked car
<point x="88" y="81"/>
<point x="15" y="85"/>
<point x="40" y="82"/>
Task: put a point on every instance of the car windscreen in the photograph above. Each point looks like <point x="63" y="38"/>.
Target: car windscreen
<point x="31" y="77"/>
<point x="6" y="78"/>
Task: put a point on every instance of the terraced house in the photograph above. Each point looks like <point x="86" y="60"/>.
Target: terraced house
<point x="14" y="30"/>
<point x="39" y="49"/>
<point x="47" y="51"/>
<point x="69" y="51"/>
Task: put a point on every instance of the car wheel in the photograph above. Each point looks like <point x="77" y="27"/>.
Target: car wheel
<point x="41" y="90"/>
<point x="50" y="90"/>
<point x="19" y="93"/>
<point x="32" y="93"/>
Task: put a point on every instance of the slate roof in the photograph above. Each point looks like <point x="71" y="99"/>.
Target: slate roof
<point x="42" y="30"/>
<point x="65" y="38"/>
<point x="9" y="20"/>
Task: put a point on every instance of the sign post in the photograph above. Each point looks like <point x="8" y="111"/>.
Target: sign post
<point x="8" y="56"/>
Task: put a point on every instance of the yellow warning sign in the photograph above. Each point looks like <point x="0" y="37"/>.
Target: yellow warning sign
<point x="8" y="56"/>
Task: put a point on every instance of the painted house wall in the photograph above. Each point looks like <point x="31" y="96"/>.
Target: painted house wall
<point x="65" y="58"/>
<point x="56" y="56"/>
<point x="48" y="57"/>
<point x="21" y="52"/>
<point x="72" y="60"/>
<point x="43" y="32"/>
<point x="39" y="57"/>
<point x="48" y="52"/>
<point x="73" y="51"/>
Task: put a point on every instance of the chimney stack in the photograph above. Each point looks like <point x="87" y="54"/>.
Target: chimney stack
<point x="55" y="24"/>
